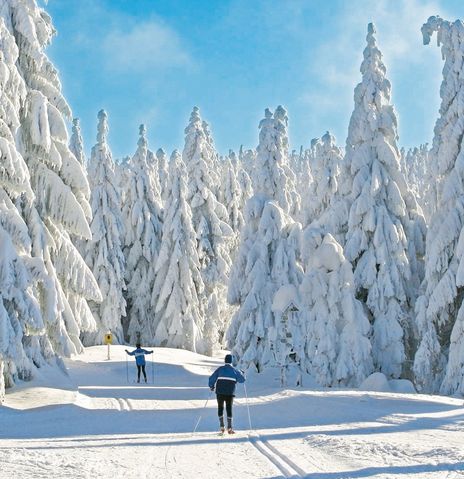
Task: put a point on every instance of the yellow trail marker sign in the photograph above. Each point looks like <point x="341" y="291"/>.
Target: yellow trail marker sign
<point x="108" y="339"/>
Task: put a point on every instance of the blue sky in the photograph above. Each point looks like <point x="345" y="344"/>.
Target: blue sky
<point x="151" y="61"/>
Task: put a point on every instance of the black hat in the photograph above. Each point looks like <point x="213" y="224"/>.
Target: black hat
<point x="228" y="359"/>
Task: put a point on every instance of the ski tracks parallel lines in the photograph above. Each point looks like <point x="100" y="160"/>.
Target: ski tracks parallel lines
<point x="286" y="466"/>
<point x="124" y="404"/>
<point x="285" y="458"/>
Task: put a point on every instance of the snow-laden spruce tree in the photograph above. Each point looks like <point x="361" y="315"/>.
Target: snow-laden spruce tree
<point x="210" y="221"/>
<point x="163" y="173"/>
<point x="142" y="224"/>
<point x="177" y="297"/>
<point x="247" y="159"/>
<point x="337" y="346"/>
<point x="272" y="175"/>
<point x="21" y="323"/>
<point x="325" y="169"/>
<point x="438" y="361"/>
<point x="103" y="253"/>
<point x="265" y="260"/>
<point x="421" y="181"/>
<point x="231" y="197"/>
<point x="61" y="190"/>
<point x="76" y="144"/>
<point x="376" y="241"/>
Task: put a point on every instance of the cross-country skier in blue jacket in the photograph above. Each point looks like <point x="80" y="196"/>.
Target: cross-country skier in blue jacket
<point x="223" y="380"/>
<point x="139" y="354"/>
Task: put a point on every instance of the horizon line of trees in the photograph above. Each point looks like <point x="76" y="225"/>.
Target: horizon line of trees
<point x="338" y="261"/>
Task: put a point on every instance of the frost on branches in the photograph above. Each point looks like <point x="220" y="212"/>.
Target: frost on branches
<point x="266" y="259"/>
<point x="376" y="241"/>
<point x="103" y="253"/>
<point x="336" y="344"/>
<point x="438" y="361"/>
<point x="177" y="296"/>
<point x="142" y="216"/>
<point x="210" y="221"/>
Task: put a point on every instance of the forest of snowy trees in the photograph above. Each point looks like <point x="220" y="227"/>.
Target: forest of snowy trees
<point x="338" y="261"/>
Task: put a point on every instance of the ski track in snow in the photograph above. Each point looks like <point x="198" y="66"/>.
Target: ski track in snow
<point x="95" y="423"/>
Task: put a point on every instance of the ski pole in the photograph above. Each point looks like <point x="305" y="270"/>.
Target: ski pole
<point x="152" y="369"/>
<point x="127" y="371"/>
<point x="248" y="407"/>
<point x="204" y="407"/>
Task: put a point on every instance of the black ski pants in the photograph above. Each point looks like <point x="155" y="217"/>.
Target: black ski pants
<point x="228" y="400"/>
<point x="141" y="368"/>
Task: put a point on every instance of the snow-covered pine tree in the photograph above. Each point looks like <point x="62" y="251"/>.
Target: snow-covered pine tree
<point x="421" y="180"/>
<point x="376" y="241"/>
<point x="142" y="224"/>
<point x="326" y="159"/>
<point x="177" y="296"/>
<point x="266" y="257"/>
<point x="61" y="190"/>
<point x="103" y="253"/>
<point x="76" y="144"/>
<point x="440" y="310"/>
<point x="247" y="159"/>
<point x="337" y="347"/>
<point x="210" y="221"/>
<point x="231" y="198"/>
<point x="20" y="317"/>
<point x="162" y="172"/>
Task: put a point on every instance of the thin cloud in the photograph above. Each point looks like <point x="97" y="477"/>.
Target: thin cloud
<point x="144" y="47"/>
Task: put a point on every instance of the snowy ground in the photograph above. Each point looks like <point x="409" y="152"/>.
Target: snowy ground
<point x="94" y="424"/>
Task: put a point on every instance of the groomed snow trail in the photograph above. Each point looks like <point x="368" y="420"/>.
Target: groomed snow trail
<point x="93" y="423"/>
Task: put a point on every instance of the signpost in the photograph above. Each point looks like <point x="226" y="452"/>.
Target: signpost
<point x="108" y="339"/>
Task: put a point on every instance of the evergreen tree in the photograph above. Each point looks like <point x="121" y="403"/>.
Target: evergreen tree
<point x="21" y="321"/>
<point x="325" y="169"/>
<point x="104" y="253"/>
<point x="177" y="296"/>
<point x="61" y="190"/>
<point x="438" y="361"/>
<point x="265" y="260"/>
<point x="162" y="172"/>
<point x="376" y="241"/>
<point x="210" y="219"/>
<point x="76" y="144"/>
<point x="337" y="347"/>
<point x="142" y="222"/>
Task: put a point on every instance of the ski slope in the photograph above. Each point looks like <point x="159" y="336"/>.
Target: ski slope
<point x="93" y="423"/>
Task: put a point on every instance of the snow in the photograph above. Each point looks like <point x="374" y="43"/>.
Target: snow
<point x="376" y="382"/>
<point x="93" y="423"/>
<point x="285" y="297"/>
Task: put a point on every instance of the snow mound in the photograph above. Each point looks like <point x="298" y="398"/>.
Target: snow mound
<point x="402" y="386"/>
<point x="329" y="255"/>
<point x="285" y="297"/>
<point x="376" y="382"/>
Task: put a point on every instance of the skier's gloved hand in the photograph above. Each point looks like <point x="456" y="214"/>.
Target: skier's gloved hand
<point x="212" y="389"/>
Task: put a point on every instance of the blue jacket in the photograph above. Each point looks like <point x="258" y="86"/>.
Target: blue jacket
<point x="224" y="380"/>
<point x="139" y="354"/>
